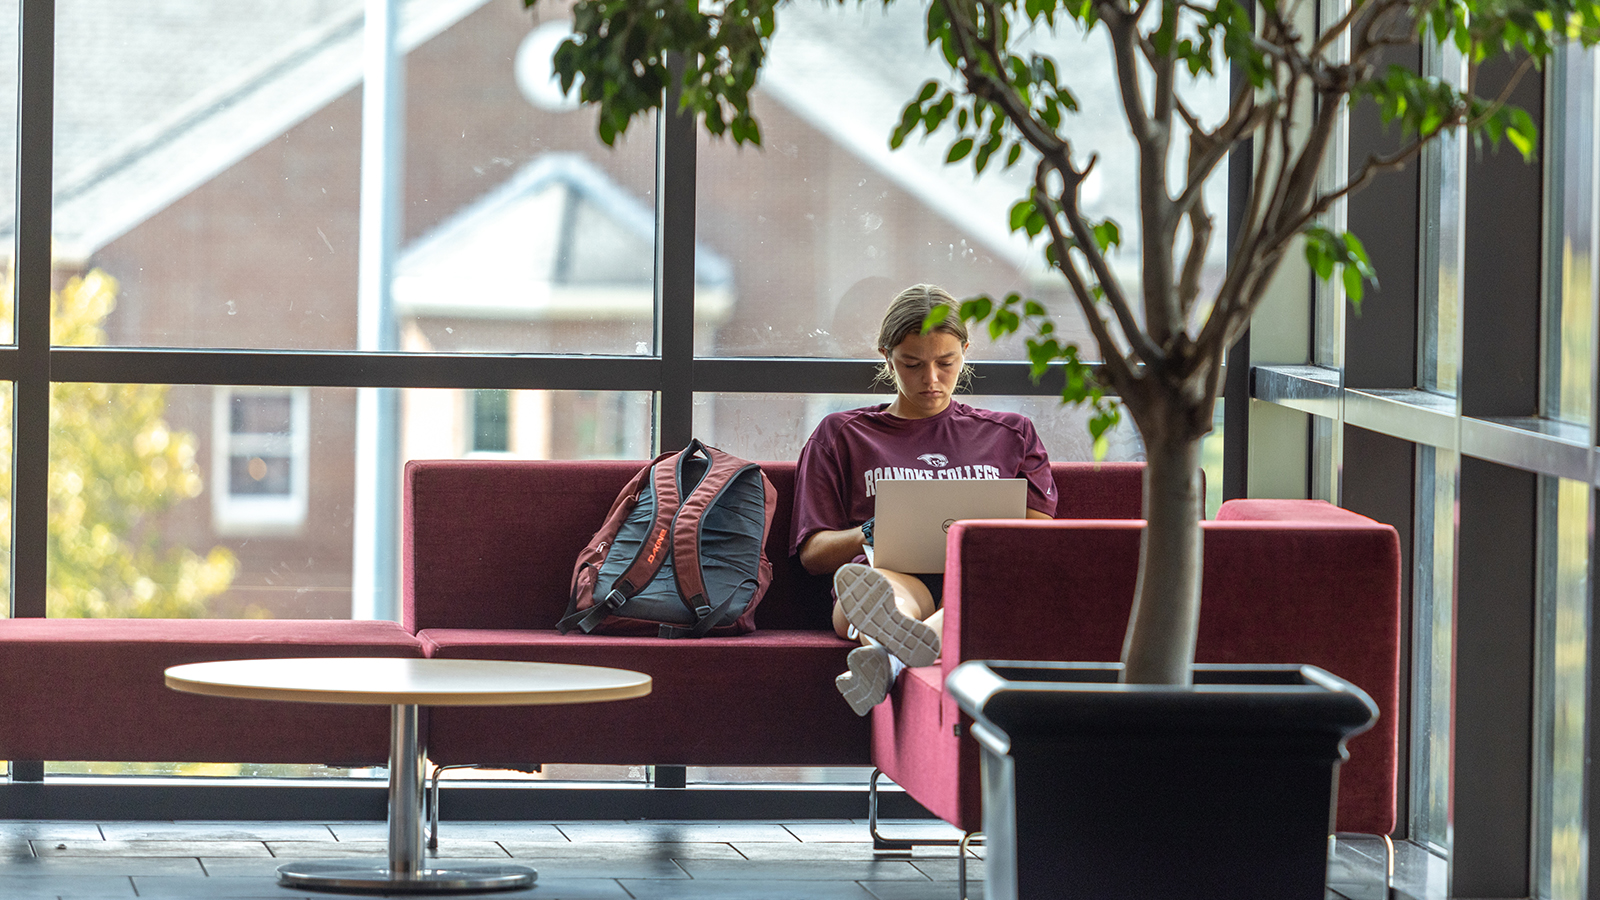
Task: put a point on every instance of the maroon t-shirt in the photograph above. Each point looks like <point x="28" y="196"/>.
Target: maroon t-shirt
<point x="850" y="450"/>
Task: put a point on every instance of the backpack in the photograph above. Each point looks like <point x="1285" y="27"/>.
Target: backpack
<point x="682" y="552"/>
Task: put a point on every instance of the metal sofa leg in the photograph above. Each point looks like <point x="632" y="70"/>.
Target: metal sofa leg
<point x="961" y="862"/>
<point x="433" y="804"/>
<point x="881" y="844"/>
<point x="1388" y="866"/>
<point x="1388" y="856"/>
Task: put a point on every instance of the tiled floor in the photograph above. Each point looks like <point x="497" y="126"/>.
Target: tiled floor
<point x="806" y="860"/>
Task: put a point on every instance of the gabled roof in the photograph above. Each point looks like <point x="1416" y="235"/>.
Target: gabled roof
<point x="155" y="98"/>
<point x="557" y="240"/>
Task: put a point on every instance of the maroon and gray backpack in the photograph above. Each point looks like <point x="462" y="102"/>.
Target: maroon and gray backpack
<point x="682" y="552"/>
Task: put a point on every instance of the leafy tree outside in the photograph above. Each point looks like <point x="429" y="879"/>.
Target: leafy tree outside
<point x="115" y="466"/>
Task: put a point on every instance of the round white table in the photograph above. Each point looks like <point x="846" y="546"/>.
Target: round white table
<point x="405" y="685"/>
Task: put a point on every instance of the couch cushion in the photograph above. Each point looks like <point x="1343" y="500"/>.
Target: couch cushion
<point x="1273" y="510"/>
<point x="759" y="699"/>
<point x="491" y="544"/>
<point x="93" y="690"/>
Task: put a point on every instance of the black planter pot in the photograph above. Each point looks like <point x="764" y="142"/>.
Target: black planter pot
<point x="1094" y="790"/>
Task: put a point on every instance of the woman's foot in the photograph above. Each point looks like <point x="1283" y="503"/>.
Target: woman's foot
<point x="867" y="683"/>
<point x="867" y="599"/>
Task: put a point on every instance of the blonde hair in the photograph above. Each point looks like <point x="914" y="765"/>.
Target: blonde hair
<point x="904" y="318"/>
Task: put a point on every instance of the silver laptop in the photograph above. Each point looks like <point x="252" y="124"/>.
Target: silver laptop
<point x="912" y="517"/>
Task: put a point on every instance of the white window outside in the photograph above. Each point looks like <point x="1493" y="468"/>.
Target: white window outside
<point x="260" y="459"/>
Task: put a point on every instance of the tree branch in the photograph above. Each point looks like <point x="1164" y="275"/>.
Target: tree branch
<point x="1083" y="235"/>
<point x="1242" y="119"/>
<point x="986" y="87"/>
<point x="1332" y="32"/>
<point x="1243" y="250"/>
<point x="1122" y="374"/>
<point x="1200" y="228"/>
<point x="1152" y="135"/>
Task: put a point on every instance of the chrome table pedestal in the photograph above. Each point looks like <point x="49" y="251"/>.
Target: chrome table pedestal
<point x="406" y="684"/>
<point x="407" y="870"/>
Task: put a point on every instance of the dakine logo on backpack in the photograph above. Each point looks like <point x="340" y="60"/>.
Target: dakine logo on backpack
<point x="682" y="552"/>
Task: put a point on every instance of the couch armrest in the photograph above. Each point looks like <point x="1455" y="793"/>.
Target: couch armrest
<point x="1285" y="582"/>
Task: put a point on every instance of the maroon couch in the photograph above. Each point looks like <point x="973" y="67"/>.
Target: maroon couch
<point x="1286" y="581"/>
<point x="487" y="567"/>
<point x="487" y="557"/>
<point x="488" y="554"/>
<point x="92" y="690"/>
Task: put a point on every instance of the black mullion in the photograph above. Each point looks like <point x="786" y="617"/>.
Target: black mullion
<point x="31" y="389"/>
<point x="852" y="376"/>
<point x="30" y="423"/>
<point x="333" y="369"/>
<point x="675" y="240"/>
<point x="1236" y="375"/>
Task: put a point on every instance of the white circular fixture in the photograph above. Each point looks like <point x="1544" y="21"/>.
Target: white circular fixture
<point x="535" y="70"/>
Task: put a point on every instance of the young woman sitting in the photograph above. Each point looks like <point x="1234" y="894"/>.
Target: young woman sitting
<point x="896" y="616"/>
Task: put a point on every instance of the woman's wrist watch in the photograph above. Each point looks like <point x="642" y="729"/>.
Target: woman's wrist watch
<point x="866" y="532"/>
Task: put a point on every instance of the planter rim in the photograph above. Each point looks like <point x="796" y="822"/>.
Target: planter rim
<point x="1284" y="699"/>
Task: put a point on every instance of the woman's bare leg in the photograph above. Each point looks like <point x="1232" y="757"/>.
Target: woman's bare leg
<point x="911" y="597"/>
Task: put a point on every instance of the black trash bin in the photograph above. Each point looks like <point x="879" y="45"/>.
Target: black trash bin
<point x="1094" y="790"/>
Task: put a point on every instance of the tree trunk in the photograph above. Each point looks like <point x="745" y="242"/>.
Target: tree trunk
<point x="1159" y="648"/>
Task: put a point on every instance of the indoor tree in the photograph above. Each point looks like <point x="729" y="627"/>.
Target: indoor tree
<point x="1160" y="344"/>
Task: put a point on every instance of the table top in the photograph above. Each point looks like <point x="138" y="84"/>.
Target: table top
<point x="421" y="682"/>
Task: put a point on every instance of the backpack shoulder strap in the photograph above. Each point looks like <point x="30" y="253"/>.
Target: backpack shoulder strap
<point x="645" y="563"/>
<point x="723" y="469"/>
<point x="653" y="551"/>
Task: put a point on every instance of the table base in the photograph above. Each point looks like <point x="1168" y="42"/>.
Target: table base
<point x="355" y="876"/>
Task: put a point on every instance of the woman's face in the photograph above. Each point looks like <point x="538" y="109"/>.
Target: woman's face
<point x="926" y="367"/>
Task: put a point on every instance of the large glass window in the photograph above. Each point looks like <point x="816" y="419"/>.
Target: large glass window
<point x="209" y="160"/>
<point x="523" y="233"/>
<point x="1433" y="643"/>
<point x="1562" y="685"/>
<point x="1443" y="164"/>
<point x="186" y="167"/>
<point x="1571" y="211"/>
<point x="173" y="500"/>
<point x="207" y="173"/>
<point x="776" y="426"/>
<point x="824" y="223"/>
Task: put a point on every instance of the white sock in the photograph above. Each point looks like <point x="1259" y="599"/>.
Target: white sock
<point x="895" y="665"/>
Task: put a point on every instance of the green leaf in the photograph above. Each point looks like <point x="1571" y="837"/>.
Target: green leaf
<point x="1107" y="235"/>
<point x="976" y="309"/>
<point x="1019" y="214"/>
<point x="959" y="150"/>
<point x="1522" y="133"/>
<point x="981" y="161"/>
<point x="1354" y="285"/>
<point x="1326" y="250"/>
